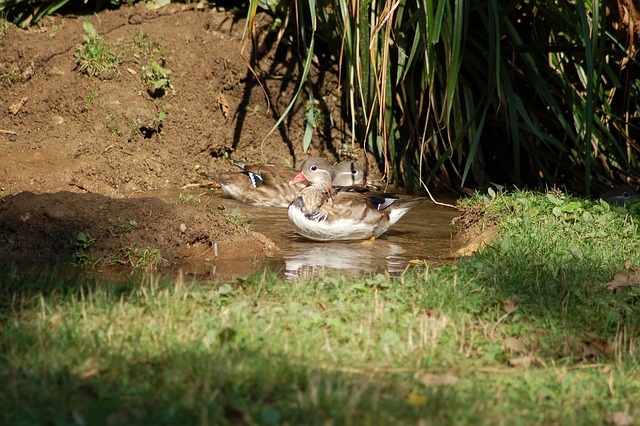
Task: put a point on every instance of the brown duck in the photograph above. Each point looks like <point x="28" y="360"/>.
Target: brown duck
<point x="323" y="212"/>
<point x="268" y="185"/>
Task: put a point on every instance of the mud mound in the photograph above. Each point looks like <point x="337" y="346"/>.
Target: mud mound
<point x="92" y="229"/>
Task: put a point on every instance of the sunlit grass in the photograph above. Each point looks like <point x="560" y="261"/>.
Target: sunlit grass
<point x="523" y="331"/>
<point x="97" y="57"/>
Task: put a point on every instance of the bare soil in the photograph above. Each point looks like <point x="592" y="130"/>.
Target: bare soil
<point x="74" y="148"/>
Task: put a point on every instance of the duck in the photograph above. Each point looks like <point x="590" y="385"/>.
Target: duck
<point x="349" y="174"/>
<point x="621" y="195"/>
<point x="267" y="185"/>
<point x="323" y="212"/>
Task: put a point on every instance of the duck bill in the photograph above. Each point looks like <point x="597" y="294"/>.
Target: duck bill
<point x="298" y="178"/>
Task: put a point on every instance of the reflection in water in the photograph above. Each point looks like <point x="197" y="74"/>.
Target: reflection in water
<point x="352" y="258"/>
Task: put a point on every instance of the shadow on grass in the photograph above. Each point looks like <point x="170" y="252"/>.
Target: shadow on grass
<point x="60" y="366"/>
<point x="195" y="384"/>
<point x="557" y="293"/>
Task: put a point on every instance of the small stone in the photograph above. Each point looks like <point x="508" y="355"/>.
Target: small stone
<point x="131" y="186"/>
<point x="27" y="73"/>
<point x="55" y="71"/>
<point x="56" y="211"/>
<point x="183" y="228"/>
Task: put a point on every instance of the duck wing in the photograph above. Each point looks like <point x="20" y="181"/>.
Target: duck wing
<point x="268" y="174"/>
<point x="265" y="185"/>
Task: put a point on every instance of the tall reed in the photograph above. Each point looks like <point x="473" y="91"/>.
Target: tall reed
<point x="535" y="92"/>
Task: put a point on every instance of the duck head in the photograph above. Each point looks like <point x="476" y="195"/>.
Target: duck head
<point x="317" y="171"/>
<point x="348" y="173"/>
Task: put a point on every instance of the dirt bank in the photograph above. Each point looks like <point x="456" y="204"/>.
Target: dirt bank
<point x="75" y="147"/>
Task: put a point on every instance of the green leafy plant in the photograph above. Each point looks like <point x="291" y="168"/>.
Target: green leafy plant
<point x="82" y="246"/>
<point x="156" y="78"/>
<point x="131" y="256"/>
<point x="95" y="56"/>
<point x="149" y="257"/>
<point x="162" y="114"/>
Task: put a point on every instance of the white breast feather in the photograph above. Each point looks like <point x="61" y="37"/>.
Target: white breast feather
<point x="339" y="229"/>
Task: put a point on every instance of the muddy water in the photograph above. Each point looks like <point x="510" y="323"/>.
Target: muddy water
<point x="423" y="234"/>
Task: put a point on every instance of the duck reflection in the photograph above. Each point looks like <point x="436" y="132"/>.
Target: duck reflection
<point x="344" y="258"/>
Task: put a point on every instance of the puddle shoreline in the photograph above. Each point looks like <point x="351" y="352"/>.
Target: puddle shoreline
<point x="424" y="234"/>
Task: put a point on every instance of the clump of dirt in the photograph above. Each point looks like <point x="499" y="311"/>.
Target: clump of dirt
<point x="74" y="145"/>
<point x="474" y="229"/>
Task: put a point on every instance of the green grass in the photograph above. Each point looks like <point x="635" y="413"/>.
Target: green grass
<point x="121" y="229"/>
<point x="237" y="219"/>
<point x="10" y="75"/>
<point x="134" y="257"/>
<point x="436" y="345"/>
<point x="97" y="57"/>
<point x="127" y="255"/>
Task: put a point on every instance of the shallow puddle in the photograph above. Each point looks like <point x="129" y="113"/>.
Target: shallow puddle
<point x="423" y="234"/>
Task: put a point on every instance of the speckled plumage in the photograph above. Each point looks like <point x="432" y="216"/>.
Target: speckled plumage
<point x="323" y="213"/>
<point x="268" y="185"/>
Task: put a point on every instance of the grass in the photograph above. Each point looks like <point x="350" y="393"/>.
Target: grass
<point x="127" y="255"/>
<point x="134" y="257"/>
<point x="146" y="46"/>
<point x="237" y="219"/>
<point x="522" y="332"/>
<point x="123" y="228"/>
<point x="10" y="75"/>
<point x="91" y="96"/>
<point x="100" y="58"/>
<point x="95" y="56"/>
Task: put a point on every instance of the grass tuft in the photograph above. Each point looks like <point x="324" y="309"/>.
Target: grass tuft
<point x="95" y="56"/>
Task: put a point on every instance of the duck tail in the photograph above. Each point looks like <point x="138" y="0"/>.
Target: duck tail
<point x="400" y="207"/>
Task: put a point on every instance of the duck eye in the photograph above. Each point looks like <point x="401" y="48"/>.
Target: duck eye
<point x="626" y="195"/>
<point x="354" y="172"/>
<point x="313" y="168"/>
